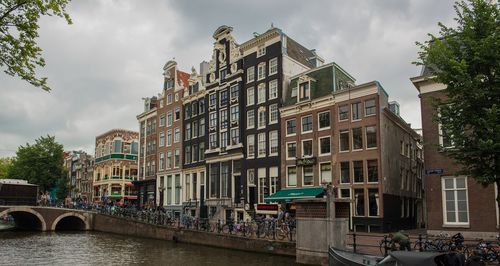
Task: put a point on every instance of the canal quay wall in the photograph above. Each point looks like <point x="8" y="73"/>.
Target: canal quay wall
<point x="110" y="224"/>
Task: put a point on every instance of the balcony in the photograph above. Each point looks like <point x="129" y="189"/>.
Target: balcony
<point x="114" y="156"/>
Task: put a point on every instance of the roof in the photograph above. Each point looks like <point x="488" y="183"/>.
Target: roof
<point x="298" y="52"/>
<point x="182" y="76"/>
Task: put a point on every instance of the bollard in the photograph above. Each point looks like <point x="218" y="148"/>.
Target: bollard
<point x="420" y="243"/>
<point x="354" y="242"/>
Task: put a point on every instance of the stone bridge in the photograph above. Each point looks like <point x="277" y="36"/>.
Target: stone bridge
<point x="48" y="218"/>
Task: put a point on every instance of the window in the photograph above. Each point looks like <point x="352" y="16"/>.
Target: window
<point x="117" y="146"/>
<point x="201" y="106"/>
<point x="169" y="189"/>
<point x="324" y="120"/>
<point x="261" y="71"/>
<point x="370" y="107"/>
<point x="213" y="141"/>
<point x="187" y="132"/>
<point x="177" y="134"/>
<point x="307" y="148"/>
<point x="273" y="180"/>
<point x="250" y="74"/>
<point x="169" y="99"/>
<point x="169" y="137"/>
<point x="161" y="161"/>
<point x="194" y="108"/>
<point x="134" y="146"/>
<point x="357" y="167"/>
<point x="262" y="117"/>
<point x="273" y="113"/>
<point x="345" y="193"/>
<point x="273" y="143"/>
<point x="356" y="111"/>
<point x="168" y="164"/>
<point x="308" y="175"/>
<point x="214" y="180"/>
<point x="187" y="155"/>
<point x="235" y="136"/>
<point x="359" y="202"/>
<point x="291" y="176"/>
<point x="371" y="137"/>
<point x="224" y="175"/>
<point x="235" y="113"/>
<point x="273" y="66"/>
<point x="307" y="124"/>
<point x="177" y="158"/>
<point x="187" y="111"/>
<point x="169" y="119"/>
<point x="262" y="144"/>
<point x="261" y="172"/>
<point x="291" y="150"/>
<point x="250" y="96"/>
<point x="291" y="127"/>
<point x="455" y="203"/>
<point x="345" y="175"/>
<point x="162" y="120"/>
<point x="261" y="93"/>
<point x="357" y="139"/>
<point x="372" y="170"/>
<point x="223" y="74"/>
<point x="343" y="112"/>
<point x="177" y="189"/>
<point x="445" y="138"/>
<point x="223" y="98"/>
<point x="213" y="99"/>
<point x="202" y="127"/>
<point x="202" y="151"/>
<point x="195" y="129"/>
<point x="325" y="170"/>
<point x="251" y="177"/>
<point x="169" y="83"/>
<point x="223" y="119"/>
<point x="373" y="202"/>
<point x="305" y="93"/>
<point x="196" y="153"/>
<point x="273" y="89"/>
<point x="162" y="139"/>
<point x="235" y="89"/>
<point x="250" y="146"/>
<point x="324" y="145"/>
<point x="250" y="119"/>
<point x="223" y="139"/>
<point x="213" y="119"/>
<point x="261" y="51"/>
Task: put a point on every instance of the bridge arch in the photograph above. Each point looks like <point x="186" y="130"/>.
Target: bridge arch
<point x="72" y="221"/>
<point x="26" y="217"/>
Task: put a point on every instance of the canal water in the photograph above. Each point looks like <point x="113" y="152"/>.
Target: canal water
<point x="96" y="248"/>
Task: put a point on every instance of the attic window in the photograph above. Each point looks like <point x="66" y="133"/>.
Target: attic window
<point x="294" y="92"/>
<point x="261" y="51"/>
<point x="304" y="90"/>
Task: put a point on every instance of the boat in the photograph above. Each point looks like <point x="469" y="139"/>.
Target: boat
<point x="6" y="226"/>
<point x="339" y="257"/>
<point x="395" y="258"/>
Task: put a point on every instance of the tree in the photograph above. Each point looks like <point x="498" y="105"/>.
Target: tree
<point x="41" y="163"/>
<point x="466" y="59"/>
<point x="5" y="164"/>
<point x="19" y="52"/>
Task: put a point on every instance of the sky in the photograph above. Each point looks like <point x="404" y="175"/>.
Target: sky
<point x="101" y="66"/>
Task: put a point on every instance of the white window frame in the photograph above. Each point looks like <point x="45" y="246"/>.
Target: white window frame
<point x="261" y="71"/>
<point x="273" y="89"/>
<point x="345" y="188"/>
<point x="271" y="141"/>
<point x="286" y="150"/>
<point x="261" y="124"/>
<point x="288" y="178"/>
<point x="252" y="111"/>
<point x="250" y="100"/>
<point x="251" y="152"/>
<point x="443" y="196"/>
<point x="302" y="148"/>
<point x="364" y="107"/>
<point x="302" y="124"/>
<point x="261" y="91"/>
<point x="286" y="128"/>
<point x="304" y="176"/>
<point x="259" y="148"/>
<point x="352" y="139"/>
<point x="366" y="138"/>
<point x="261" y="50"/>
<point x="330" y="117"/>
<point x="250" y="73"/>
<point x="271" y="121"/>
<point x="319" y="146"/>
<point x="273" y="63"/>
<point x="176" y="140"/>
<point x="319" y="171"/>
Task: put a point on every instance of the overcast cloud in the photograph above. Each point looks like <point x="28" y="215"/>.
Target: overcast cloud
<point x="101" y="66"/>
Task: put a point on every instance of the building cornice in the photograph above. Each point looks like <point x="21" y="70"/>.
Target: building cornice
<point x="308" y="106"/>
<point x="261" y="39"/>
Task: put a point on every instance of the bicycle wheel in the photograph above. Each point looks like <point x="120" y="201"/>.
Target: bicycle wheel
<point x="226" y="229"/>
<point x="281" y="234"/>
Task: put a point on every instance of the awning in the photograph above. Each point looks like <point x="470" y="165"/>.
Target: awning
<point x="130" y="197"/>
<point x="289" y="194"/>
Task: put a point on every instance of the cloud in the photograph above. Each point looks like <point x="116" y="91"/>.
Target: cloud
<point x="101" y="66"/>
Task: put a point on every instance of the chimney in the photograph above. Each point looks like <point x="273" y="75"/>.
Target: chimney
<point x="394" y="107"/>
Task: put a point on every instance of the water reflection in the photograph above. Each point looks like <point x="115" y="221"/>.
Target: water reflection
<point x="93" y="248"/>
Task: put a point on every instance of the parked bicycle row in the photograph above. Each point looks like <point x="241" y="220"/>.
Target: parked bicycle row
<point x="487" y="251"/>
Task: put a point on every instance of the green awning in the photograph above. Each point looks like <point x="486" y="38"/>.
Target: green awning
<point x="289" y="194"/>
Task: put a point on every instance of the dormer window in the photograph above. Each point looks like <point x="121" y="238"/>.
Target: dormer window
<point x="305" y="91"/>
<point x="261" y="51"/>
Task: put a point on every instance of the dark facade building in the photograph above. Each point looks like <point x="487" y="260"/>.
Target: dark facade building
<point x="455" y="203"/>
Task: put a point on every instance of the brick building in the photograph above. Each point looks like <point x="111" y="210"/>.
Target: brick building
<point x="115" y="165"/>
<point x="454" y="203"/>
<point x="335" y="132"/>
<point x="79" y="165"/>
